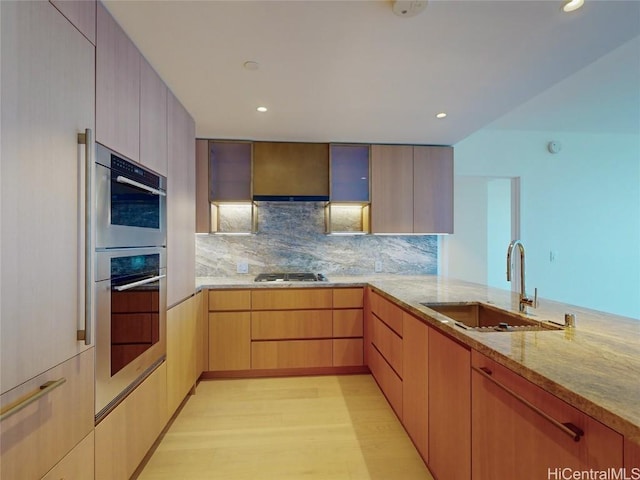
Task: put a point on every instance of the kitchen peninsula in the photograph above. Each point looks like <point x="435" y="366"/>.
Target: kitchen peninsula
<point x="593" y="367"/>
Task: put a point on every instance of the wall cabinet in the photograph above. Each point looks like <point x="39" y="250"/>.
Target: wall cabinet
<point x="47" y="100"/>
<point x="183" y="350"/>
<point x="117" y="87"/>
<point x="532" y="430"/>
<point x="411" y="189"/>
<point x="181" y="214"/>
<point x="123" y="438"/>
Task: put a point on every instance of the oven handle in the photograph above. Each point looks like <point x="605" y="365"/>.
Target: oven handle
<point x="142" y="186"/>
<point x="128" y="286"/>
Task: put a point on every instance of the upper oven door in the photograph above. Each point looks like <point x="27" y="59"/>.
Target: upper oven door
<point x="130" y="203"/>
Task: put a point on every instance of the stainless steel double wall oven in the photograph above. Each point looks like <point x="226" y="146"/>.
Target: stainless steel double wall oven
<point x="130" y="276"/>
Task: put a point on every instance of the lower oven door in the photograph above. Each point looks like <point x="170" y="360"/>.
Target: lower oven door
<point x="130" y="321"/>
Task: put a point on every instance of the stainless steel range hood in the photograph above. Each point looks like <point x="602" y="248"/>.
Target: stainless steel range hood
<point x="290" y="171"/>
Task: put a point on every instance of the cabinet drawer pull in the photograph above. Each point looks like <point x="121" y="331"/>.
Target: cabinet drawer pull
<point x="569" y="429"/>
<point x="85" y="334"/>
<point x="44" y="389"/>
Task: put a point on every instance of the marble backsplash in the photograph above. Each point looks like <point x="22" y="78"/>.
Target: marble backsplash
<point x="291" y="237"/>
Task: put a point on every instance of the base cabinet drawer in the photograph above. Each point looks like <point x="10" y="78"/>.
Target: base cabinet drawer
<point x="291" y="324"/>
<point x="291" y="354"/>
<point x="78" y="464"/>
<point x="390" y="383"/>
<point x="536" y="433"/>
<point x="348" y="352"/>
<point x="38" y="436"/>
<point x="388" y="343"/>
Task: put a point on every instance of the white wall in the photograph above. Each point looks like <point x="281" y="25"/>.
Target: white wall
<point x="582" y="203"/>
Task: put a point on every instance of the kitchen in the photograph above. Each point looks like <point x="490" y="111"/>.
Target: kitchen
<point x="181" y="277"/>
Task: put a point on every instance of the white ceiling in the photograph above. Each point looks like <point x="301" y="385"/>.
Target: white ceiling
<point x="353" y="71"/>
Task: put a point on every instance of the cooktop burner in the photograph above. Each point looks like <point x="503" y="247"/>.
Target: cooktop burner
<point x="290" y="277"/>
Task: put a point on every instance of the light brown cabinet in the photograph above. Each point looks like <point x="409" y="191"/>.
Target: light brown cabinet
<point x="47" y="100"/>
<point x="181" y="214"/>
<point x="415" y="382"/>
<point x="290" y="169"/>
<point x="411" y="189"/>
<point x="533" y="431"/>
<point x="124" y="437"/>
<point x="449" y="408"/>
<point x="117" y="87"/>
<point x="288" y="328"/>
<point x="78" y="463"/>
<point x="631" y="456"/>
<point x="183" y="350"/>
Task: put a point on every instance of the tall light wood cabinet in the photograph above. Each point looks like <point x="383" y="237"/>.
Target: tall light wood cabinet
<point x="411" y="189"/>
<point x="117" y="87"/>
<point x="81" y="13"/>
<point x="47" y="100"/>
<point x="181" y="212"/>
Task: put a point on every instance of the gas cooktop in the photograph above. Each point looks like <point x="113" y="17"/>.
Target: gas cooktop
<point x="291" y="277"/>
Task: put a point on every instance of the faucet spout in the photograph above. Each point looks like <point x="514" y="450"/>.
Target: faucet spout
<point x="524" y="299"/>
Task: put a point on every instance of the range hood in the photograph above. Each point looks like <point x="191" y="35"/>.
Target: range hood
<point x="290" y="172"/>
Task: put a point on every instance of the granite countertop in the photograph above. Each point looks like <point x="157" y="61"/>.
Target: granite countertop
<point x="594" y="366"/>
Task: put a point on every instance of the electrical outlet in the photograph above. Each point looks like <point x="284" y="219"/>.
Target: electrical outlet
<point x="242" y="267"/>
<point x="378" y="266"/>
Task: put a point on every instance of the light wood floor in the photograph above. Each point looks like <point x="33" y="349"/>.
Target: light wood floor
<point x="325" y="428"/>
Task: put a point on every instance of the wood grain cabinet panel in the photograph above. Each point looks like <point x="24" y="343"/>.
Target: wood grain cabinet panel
<point x="117" y="87"/>
<point x="229" y="300"/>
<point x="153" y="119"/>
<point x="48" y="97"/>
<point x="387" y="311"/>
<point x="81" y="14"/>
<point x="631" y="455"/>
<point x="388" y="380"/>
<point x="292" y="354"/>
<point x="529" y="443"/>
<point x="291" y="299"/>
<point x="348" y="297"/>
<point x="347" y="352"/>
<point x="389" y="344"/>
<point x="50" y="426"/>
<point x="415" y="382"/>
<point x="347" y="323"/>
<point x="450" y="409"/>
<point x="229" y="341"/>
<point x="77" y="464"/>
<point x="124" y="437"/>
<point x="432" y="189"/>
<point x="274" y="325"/>
<point x="391" y="189"/>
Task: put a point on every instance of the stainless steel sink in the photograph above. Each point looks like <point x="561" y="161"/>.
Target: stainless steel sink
<point x="487" y="318"/>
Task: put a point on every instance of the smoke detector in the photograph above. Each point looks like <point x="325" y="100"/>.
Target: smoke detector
<point x="408" y="8"/>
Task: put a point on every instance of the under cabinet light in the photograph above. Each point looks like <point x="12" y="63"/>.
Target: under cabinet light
<point x="572" y="5"/>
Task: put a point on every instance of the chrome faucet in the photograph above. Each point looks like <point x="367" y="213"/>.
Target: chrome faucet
<point x="524" y="300"/>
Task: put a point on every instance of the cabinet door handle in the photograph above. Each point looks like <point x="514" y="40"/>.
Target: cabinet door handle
<point x="573" y="431"/>
<point x="44" y="389"/>
<point x="86" y="139"/>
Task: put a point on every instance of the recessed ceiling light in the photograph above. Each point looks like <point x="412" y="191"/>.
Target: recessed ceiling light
<point x="251" y="65"/>
<point x="441" y="115"/>
<point x="572" y="5"/>
<point x="261" y="109"/>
